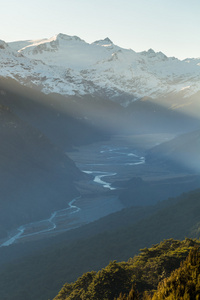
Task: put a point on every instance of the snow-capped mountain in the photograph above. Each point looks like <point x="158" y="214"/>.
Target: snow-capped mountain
<point x="70" y="66"/>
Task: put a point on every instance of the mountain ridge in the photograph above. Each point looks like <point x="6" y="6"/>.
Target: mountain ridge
<point x="70" y="66"/>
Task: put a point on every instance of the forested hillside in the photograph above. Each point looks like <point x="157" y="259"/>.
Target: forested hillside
<point x="183" y="283"/>
<point x="129" y="280"/>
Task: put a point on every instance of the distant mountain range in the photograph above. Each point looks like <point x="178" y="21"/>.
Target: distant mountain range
<point x="69" y="66"/>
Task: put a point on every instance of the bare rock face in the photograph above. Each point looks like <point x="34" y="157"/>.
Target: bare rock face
<point x="3" y="45"/>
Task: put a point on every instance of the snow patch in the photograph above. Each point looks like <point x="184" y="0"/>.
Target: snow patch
<point x="68" y="65"/>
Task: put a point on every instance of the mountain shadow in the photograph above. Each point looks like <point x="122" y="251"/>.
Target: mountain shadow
<point x="36" y="176"/>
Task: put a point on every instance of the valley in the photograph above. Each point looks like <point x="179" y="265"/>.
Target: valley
<point x="110" y="165"/>
<point x="99" y="157"/>
<point x="105" y="162"/>
<point x="116" y="210"/>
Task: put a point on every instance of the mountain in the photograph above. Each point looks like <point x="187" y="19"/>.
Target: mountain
<point x="178" y="158"/>
<point x="182" y="152"/>
<point x="66" y="122"/>
<point x="69" y="66"/>
<point x="37" y="177"/>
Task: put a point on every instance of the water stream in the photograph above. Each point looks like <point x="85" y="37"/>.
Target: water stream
<point x="113" y="156"/>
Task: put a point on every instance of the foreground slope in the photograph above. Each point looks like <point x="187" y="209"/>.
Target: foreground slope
<point x="183" y="283"/>
<point x="144" y="272"/>
<point x="64" y="261"/>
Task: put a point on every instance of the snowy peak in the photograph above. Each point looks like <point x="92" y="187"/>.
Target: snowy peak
<point x="18" y="45"/>
<point x="70" y="66"/>
<point x="193" y="61"/>
<point x="52" y="44"/>
<point x="69" y="52"/>
<point x="105" y="43"/>
<point x="30" y="45"/>
<point x="6" y="51"/>
<point x="56" y="39"/>
<point x="151" y="54"/>
<point x="3" y="45"/>
<point x="107" y="40"/>
<point x="66" y="37"/>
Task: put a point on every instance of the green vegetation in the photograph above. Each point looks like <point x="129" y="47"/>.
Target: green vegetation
<point x="184" y="283"/>
<point x="143" y="272"/>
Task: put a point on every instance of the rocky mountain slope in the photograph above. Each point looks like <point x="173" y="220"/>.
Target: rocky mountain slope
<point x="69" y="66"/>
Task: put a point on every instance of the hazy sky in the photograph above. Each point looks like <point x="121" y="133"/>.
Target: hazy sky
<point x="170" y="26"/>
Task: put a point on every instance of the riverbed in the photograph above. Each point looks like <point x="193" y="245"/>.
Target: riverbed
<point x="106" y="162"/>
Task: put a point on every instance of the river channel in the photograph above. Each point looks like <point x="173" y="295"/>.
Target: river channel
<point x="105" y="163"/>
